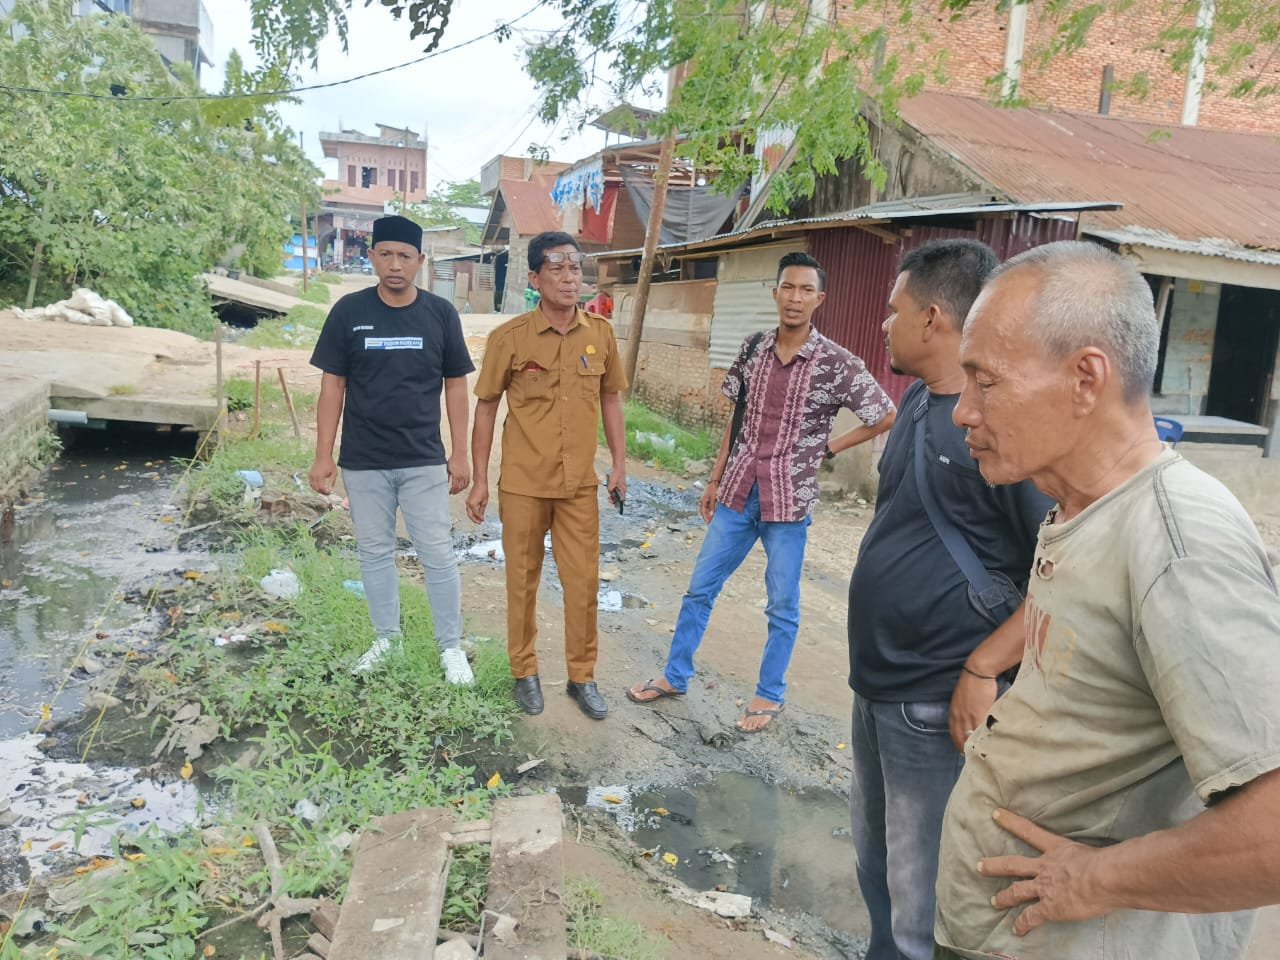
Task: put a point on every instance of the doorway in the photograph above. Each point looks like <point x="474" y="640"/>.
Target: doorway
<point x="1244" y="353"/>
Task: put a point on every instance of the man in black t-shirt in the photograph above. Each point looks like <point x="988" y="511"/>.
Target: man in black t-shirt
<point x="923" y="659"/>
<point x="386" y="353"/>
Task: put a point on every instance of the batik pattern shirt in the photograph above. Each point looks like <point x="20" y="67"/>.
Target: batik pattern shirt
<point x="790" y="410"/>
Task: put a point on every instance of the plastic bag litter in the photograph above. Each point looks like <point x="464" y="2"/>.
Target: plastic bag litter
<point x="281" y="584"/>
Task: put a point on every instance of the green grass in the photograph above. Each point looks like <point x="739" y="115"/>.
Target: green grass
<point x="594" y="933"/>
<point x="355" y="748"/>
<point x="298" y="329"/>
<point x="689" y="444"/>
<point x="315" y="293"/>
<point x="327" y="278"/>
<point x="277" y="457"/>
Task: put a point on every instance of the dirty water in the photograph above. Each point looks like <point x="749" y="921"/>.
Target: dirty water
<point x="96" y="523"/>
<point x="787" y="849"/>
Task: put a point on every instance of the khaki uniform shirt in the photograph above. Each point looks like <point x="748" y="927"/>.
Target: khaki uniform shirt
<point x="553" y="384"/>
<point x="1148" y="688"/>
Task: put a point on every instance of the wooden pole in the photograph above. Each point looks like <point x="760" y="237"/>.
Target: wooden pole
<point x="304" y="222"/>
<point x="635" y="326"/>
<point x="257" y="397"/>
<point x="288" y="402"/>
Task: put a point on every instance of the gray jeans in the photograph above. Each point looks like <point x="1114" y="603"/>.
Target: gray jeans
<point x="422" y="494"/>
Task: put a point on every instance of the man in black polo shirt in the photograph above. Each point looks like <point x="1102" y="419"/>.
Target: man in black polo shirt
<point x="924" y="655"/>
<point x="386" y="352"/>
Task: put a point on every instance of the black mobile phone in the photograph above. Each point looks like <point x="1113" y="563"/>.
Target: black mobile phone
<point x="616" y="497"/>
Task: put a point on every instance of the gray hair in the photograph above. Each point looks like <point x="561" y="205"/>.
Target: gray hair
<point x="1089" y="296"/>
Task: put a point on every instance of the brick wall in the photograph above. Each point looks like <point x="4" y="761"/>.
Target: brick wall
<point x="24" y="412"/>
<point x="975" y="42"/>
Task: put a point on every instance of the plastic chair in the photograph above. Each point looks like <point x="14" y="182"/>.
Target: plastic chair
<point x="1168" y="430"/>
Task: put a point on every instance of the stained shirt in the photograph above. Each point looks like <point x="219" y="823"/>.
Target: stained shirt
<point x="553" y="383"/>
<point x="790" y="410"/>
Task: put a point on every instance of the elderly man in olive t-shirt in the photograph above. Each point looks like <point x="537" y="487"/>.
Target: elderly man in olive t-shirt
<point x="1141" y="739"/>
<point x="560" y="370"/>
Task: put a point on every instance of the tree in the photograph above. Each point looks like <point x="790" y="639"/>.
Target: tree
<point x="767" y="67"/>
<point x="438" y="211"/>
<point x="131" y="193"/>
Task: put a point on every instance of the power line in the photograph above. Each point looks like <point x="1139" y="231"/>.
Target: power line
<point x="73" y="94"/>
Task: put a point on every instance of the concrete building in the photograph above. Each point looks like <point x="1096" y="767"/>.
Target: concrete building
<point x="373" y="171"/>
<point x="181" y="29"/>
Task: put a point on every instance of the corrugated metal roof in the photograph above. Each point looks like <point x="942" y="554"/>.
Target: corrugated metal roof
<point x="1209" y="246"/>
<point x="888" y="211"/>
<point x="529" y="202"/>
<point x="1187" y="182"/>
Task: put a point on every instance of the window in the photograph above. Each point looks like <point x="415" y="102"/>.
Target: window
<point x="351" y="174"/>
<point x="391" y="177"/>
<point x="402" y="180"/>
<point x="413" y="181"/>
<point x="368" y="177"/>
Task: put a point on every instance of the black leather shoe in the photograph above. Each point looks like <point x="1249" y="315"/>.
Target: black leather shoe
<point x="589" y="699"/>
<point x="529" y="695"/>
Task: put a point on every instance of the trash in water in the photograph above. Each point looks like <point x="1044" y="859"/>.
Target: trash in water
<point x="354" y="586"/>
<point x="487" y="550"/>
<point x="281" y="584"/>
<point x="609" y="601"/>
<point x="251" y="478"/>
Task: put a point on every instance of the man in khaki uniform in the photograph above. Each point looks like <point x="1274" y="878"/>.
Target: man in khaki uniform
<point x="562" y="374"/>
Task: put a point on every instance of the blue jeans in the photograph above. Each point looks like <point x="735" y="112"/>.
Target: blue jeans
<point x="422" y="494"/>
<point x="729" y="539"/>
<point x="904" y="767"/>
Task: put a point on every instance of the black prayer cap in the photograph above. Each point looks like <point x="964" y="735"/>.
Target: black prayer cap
<point x="399" y="230"/>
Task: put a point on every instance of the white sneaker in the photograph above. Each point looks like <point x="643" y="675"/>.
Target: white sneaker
<point x="372" y="658"/>
<point x="456" y="669"/>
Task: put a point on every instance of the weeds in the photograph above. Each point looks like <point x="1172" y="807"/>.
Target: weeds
<point x="686" y="444"/>
<point x="327" y="278"/>
<point x="314" y="293"/>
<point x="48" y="447"/>
<point x="592" y="932"/>
<point x="299" y="328"/>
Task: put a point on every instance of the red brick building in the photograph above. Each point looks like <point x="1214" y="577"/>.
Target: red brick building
<point x="977" y="49"/>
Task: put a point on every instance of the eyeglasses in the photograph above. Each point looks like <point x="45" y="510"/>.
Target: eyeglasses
<point x="574" y="256"/>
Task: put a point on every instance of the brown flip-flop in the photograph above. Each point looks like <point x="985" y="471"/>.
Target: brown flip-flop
<point x="770" y="712"/>
<point x="651" y="687"/>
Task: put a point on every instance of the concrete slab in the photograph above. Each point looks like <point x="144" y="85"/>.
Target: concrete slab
<point x="526" y="879"/>
<point x="251" y="294"/>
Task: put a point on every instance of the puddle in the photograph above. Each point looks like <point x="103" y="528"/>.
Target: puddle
<point x="95" y="523"/>
<point x="786" y="849"/>
<point x="49" y="802"/>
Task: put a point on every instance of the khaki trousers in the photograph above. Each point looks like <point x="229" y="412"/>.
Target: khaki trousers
<point x="574" y="524"/>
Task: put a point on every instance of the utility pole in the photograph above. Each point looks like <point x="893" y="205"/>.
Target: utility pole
<point x="635" y="327"/>
<point x="304" y="219"/>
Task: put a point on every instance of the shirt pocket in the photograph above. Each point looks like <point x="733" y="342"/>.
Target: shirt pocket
<point x="530" y="380"/>
<point x="589" y="375"/>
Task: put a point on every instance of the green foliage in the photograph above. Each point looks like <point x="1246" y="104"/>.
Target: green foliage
<point x="591" y="932"/>
<point x="47" y="449"/>
<point x="438" y="209"/>
<point x="272" y="453"/>
<point x="299" y="328"/>
<point x="689" y="444"/>
<point x="329" y="278"/>
<point x="153" y="907"/>
<point x="314" y="293"/>
<point x="130" y="196"/>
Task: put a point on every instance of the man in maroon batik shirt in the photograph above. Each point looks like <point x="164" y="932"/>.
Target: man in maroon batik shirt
<point x="765" y="480"/>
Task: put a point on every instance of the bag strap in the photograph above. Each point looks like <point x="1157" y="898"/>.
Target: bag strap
<point x="947" y="531"/>
<point x="740" y="405"/>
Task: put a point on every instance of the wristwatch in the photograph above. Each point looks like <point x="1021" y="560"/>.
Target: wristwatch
<point x="829" y="454"/>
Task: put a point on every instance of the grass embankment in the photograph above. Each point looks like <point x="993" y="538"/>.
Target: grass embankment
<point x="297" y="330"/>
<point x="314" y="292"/>
<point x="643" y="423"/>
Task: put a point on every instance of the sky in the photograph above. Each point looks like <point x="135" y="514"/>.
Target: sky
<point x="472" y="104"/>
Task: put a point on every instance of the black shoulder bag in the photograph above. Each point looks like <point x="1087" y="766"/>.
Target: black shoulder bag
<point x="993" y="595"/>
<point x="740" y="405"/>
